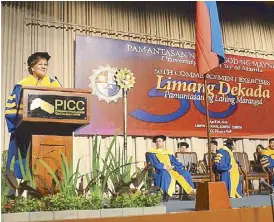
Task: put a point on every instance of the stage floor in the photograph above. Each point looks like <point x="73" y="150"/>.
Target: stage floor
<point x="174" y="205"/>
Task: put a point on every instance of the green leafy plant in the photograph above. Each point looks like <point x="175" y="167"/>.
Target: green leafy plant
<point x="68" y="178"/>
<point x="120" y="174"/>
<point x="138" y="199"/>
<point x="98" y="179"/>
<point x="28" y="174"/>
<point x="115" y="174"/>
<point x="4" y="186"/>
<point x="69" y="200"/>
<point x="4" y="157"/>
<point x="22" y="186"/>
<point x="113" y="177"/>
<point x="94" y="180"/>
<point x="28" y="182"/>
<point x="22" y="204"/>
<point x="10" y="183"/>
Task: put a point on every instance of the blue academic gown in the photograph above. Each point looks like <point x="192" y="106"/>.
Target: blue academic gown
<point x="166" y="179"/>
<point x="11" y="117"/>
<point x="227" y="167"/>
<point x="267" y="161"/>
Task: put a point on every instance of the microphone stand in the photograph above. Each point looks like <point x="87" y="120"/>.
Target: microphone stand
<point x="270" y="188"/>
<point x="55" y="77"/>
<point x="271" y="201"/>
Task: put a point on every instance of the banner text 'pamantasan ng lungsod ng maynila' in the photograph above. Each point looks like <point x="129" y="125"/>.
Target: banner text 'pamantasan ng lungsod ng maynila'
<point x="168" y="96"/>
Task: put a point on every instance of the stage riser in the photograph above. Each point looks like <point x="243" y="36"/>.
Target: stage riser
<point x="262" y="214"/>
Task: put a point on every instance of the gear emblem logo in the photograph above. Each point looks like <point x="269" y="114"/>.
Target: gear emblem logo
<point x="103" y="84"/>
<point x="125" y="79"/>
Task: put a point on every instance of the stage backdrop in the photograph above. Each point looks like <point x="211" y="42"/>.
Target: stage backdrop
<point x="167" y="97"/>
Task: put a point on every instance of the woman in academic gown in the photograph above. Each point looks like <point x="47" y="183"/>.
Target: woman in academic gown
<point x="37" y="67"/>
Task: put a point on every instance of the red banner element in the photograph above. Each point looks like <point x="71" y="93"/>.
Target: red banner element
<point x="167" y="97"/>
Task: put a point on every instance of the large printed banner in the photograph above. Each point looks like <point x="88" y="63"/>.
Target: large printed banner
<point x="168" y="96"/>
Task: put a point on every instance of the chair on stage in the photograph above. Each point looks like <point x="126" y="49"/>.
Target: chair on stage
<point x="150" y="176"/>
<point x="190" y="161"/>
<point x="256" y="156"/>
<point x="255" y="164"/>
<point x="248" y="173"/>
<point x="206" y="160"/>
<point x="207" y="164"/>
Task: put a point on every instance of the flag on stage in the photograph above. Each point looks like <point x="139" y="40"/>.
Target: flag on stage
<point x="209" y="44"/>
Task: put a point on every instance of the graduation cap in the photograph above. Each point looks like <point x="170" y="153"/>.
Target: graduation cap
<point x="160" y="136"/>
<point x="38" y="55"/>
<point x="228" y="142"/>
<point x="183" y="144"/>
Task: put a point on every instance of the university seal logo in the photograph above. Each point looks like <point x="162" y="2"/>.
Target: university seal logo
<point x="103" y="85"/>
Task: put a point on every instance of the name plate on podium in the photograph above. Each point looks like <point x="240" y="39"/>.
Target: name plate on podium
<point x="57" y="106"/>
<point x="55" y="109"/>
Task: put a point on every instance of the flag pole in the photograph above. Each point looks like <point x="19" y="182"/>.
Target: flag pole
<point x="125" y="125"/>
<point x="208" y="130"/>
<point x="209" y="55"/>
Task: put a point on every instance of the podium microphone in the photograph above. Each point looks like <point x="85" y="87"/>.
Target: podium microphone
<point x="262" y="181"/>
<point x="55" y="77"/>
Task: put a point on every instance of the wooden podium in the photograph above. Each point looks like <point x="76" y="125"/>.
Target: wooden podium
<point x="49" y="117"/>
<point x="212" y="196"/>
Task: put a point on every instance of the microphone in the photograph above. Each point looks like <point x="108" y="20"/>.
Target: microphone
<point x="55" y="77"/>
<point x="262" y="181"/>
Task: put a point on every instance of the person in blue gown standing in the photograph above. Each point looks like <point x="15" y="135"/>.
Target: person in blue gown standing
<point x="226" y="165"/>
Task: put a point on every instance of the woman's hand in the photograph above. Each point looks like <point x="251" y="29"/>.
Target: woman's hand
<point x="168" y="167"/>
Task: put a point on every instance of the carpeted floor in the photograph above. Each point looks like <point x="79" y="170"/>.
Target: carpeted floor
<point x="251" y="201"/>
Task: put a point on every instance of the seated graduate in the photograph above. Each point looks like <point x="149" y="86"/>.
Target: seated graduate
<point x="168" y="170"/>
<point x="213" y="149"/>
<point x="267" y="159"/>
<point x="257" y="165"/>
<point x="226" y="165"/>
<point x="259" y="149"/>
<point x="271" y="144"/>
<point x="37" y="67"/>
<point x="183" y="147"/>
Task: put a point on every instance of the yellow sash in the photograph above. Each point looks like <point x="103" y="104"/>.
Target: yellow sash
<point x="268" y="148"/>
<point x="32" y="81"/>
<point x="268" y="152"/>
<point x="162" y="156"/>
<point x="234" y="174"/>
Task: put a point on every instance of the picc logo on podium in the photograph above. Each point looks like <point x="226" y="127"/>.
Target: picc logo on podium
<point x="39" y="103"/>
<point x="57" y="107"/>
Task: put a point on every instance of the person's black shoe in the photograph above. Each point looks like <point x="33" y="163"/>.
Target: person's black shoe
<point x="165" y="197"/>
<point x="187" y="197"/>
